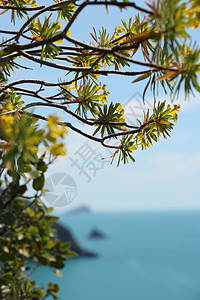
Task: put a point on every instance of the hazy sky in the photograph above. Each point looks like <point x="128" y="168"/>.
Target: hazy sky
<point x="165" y="176"/>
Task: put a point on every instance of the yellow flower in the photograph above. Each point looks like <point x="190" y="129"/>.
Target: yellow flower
<point x="58" y="149"/>
<point x="34" y="3"/>
<point x="9" y="107"/>
<point x="118" y="29"/>
<point x="8" y="120"/>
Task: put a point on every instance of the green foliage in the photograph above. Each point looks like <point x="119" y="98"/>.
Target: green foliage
<point x="112" y="113"/>
<point x="45" y="31"/>
<point x="26" y="227"/>
<point x="193" y="13"/>
<point x="5" y="68"/>
<point x="170" y="20"/>
<point x="17" y="13"/>
<point x="66" y="11"/>
<point x="89" y="98"/>
<point x="159" y="123"/>
<point x="164" y="57"/>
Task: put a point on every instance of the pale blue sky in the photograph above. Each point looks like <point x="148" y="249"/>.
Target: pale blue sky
<point x="163" y="177"/>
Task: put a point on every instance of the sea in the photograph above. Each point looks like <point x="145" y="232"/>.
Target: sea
<point x="145" y="256"/>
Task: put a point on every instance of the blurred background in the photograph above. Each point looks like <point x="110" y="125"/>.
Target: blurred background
<point x="141" y="221"/>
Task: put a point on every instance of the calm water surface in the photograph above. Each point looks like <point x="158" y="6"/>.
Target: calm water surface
<point x="154" y="256"/>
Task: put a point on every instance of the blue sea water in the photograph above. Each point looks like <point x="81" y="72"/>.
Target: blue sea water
<point x="146" y="255"/>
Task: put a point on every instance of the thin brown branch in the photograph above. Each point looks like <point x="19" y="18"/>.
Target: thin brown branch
<point x="53" y="65"/>
<point x="12" y="38"/>
<point x="40" y="82"/>
<point x="8" y="31"/>
<point x="21" y="8"/>
<point x="30" y="271"/>
<point x="31" y="93"/>
<point x="91" y="137"/>
<point x="86" y="121"/>
<point x="60" y="106"/>
<point x="88" y="46"/>
<point x="110" y="146"/>
<point x="97" y="60"/>
<point x="75" y="48"/>
<point x="70" y="53"/>
<point x="67" y="124"/>
<point x="125" y="73"/>
<point x="141" y="63"/>
<point x="128" y="132"/>
<point x="34" y="81"/>
<point x="122" y="5"/>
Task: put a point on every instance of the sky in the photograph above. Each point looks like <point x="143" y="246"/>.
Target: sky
<point x="164" y="177"/>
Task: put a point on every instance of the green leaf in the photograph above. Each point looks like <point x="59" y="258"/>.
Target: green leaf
<point x="34" y="173"/>
<point x="42" y="166"/>
<point x="6" y="278"/>
<point x="5" y="257"/>
<point x="142" y="77"/>
<point x="133" y="148"/>
<point x="1" y="205"/>
<point x="46" y="258"/>
<point x="38" y="183"/>
<point x="22" y="189"/>
<point x="37" y="293"/>
<point x="9" y="218"/>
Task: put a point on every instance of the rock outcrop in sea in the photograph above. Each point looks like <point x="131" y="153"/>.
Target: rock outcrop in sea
<point x="65" y="235"/>
<point x="96" y="234"/>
